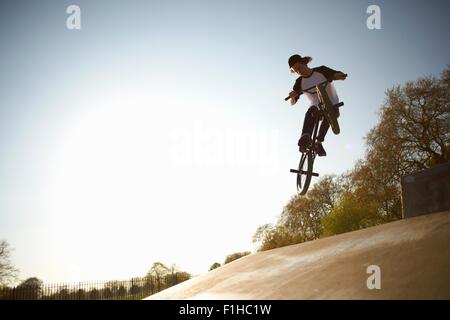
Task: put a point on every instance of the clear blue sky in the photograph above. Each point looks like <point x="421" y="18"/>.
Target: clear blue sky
<point x="159" y="132"/>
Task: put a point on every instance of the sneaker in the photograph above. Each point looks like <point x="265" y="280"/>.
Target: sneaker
<point x="320" y="150"/>
<point x="304" y="142"/>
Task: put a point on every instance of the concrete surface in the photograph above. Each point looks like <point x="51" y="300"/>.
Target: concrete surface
<point x="413" y="255"/>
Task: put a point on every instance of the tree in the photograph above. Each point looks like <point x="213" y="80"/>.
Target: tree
<point x="93" y="294"/>
<point x="111" y="288"/>
<point x="215" y="265"/>
<point x="80" y="294"/>
<point x="8" y="273"/>
<point x="373" y="182"/>
<point x="181" y="276"/>
<point x="136" y="288"/>
<point x="161" y="277"/>
<point x="349" y="215"/>
<point x="302" y="215"/>
<point x="63" y="293"/>
<point x="122" y="291"/>
<point x="235" y="256"/>
<point x="30" y="289"/>
<point x="107" y="293"/>
<point x="414" y="126"/>
<point x="158" y="270"/>
<point x="301" y="218"/>
<point x="262" y="233"/>
<point x="413" y="133"/>
<point x="275" y="237"/>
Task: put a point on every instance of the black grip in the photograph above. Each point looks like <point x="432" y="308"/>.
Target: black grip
<point x="288" y="97"/>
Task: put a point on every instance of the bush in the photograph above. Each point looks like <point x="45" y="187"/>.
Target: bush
<point x="349" y="215"/>
<point x="236" y="256"/>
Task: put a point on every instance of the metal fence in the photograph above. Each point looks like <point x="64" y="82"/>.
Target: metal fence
<point x="134" y="289"/>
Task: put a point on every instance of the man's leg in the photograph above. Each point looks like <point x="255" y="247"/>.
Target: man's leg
<point x="324" y="126"/>
<point x="308" y="127"/>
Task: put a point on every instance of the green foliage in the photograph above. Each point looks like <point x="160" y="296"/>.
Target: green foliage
<point x="277" y="237"/>
<point x="301" y="218"/>
<point x="215" y="265"/>
<point x="235" y="256"/>
<point x="29" y="289"/>
<point x="350" y="214"/>
<point x="31" y="283"/>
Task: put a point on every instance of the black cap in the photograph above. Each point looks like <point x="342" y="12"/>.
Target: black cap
<point x="298" y="58"/>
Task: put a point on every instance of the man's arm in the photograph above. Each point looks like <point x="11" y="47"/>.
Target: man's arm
<point x="331" y="74"/>
<point x="294" y="94"/>
<point x="340" y="76"/>
<point x="294" y="97"/>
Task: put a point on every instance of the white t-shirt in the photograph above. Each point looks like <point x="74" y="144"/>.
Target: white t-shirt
<point x="319" y="74"/>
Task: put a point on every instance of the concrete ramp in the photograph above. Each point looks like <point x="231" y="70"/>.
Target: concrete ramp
<point x="413" y="256"/>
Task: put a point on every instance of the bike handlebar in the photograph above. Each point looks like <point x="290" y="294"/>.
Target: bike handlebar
<point x="301" y="92"/>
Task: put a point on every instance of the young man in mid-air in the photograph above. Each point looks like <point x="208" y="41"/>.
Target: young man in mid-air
<point x="309" y="77"/>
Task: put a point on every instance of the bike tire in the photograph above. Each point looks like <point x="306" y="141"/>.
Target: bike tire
<point x="306" y="162"/>
<point x="330" y="110"/>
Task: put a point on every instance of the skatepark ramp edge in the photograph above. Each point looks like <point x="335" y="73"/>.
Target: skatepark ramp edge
<point x="413" y="257"/>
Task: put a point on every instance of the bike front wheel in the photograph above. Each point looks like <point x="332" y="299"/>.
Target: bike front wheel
<point x="304" y="174"/>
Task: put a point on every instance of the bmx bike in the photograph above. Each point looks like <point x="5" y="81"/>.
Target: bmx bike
<point x="329" y="111"/>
